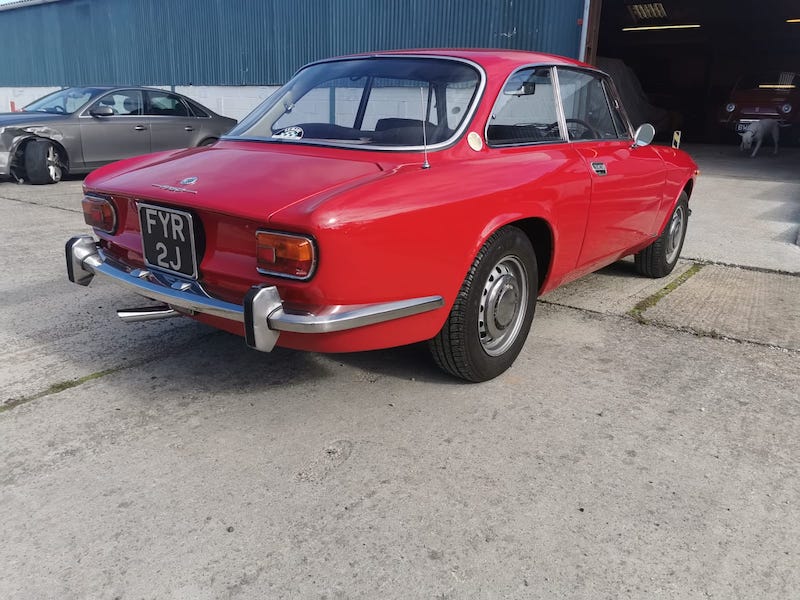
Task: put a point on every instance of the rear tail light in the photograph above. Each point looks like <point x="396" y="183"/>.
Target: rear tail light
<point x="99" y="213"/>
<point x="285" y="255"/>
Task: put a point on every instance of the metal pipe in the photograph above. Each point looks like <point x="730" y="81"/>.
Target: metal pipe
<point x="148" y="313"/>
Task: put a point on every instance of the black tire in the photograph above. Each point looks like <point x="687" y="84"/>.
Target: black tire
<point x="44" y="162"/>
<point x="207" y="142"/>
<point x="660" y="257"/>
<point x="503" y="283"/>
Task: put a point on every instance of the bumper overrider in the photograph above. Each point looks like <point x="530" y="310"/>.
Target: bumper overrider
<point x="261" y="312"/>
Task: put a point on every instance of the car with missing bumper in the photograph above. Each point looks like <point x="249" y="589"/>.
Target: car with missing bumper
<point x="386" y="199"/>
<point x="78" y="129"/>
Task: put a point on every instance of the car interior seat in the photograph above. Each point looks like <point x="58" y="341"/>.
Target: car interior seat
<point x="132" y="106"/>
<point x="109" y="101"/>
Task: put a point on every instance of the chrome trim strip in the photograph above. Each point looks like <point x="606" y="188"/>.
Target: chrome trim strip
<point x="85" y="259"/>
<point x="341" y="318"/>
<point x="560" y="113"/>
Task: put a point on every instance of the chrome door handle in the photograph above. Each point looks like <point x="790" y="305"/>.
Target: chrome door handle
<point x="599" y="168"/>
<point x="139" y="128"/>
<point x="188" y="128"/>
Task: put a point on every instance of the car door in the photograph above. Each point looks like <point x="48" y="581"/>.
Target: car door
<point x="123" y="134"/>
<point x="627" y="181"/>
<point x="172" y="124"/>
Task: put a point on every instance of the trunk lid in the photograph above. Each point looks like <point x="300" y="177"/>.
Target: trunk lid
<point x="250" y="180"/>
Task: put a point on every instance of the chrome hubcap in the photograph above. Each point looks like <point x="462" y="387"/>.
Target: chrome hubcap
<point x="504" y="300"/>
<point x="675" y="233"/>
<point x="53" y="165"/>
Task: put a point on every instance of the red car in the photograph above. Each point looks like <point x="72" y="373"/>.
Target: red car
<point x="767" y="97"/>
<point x="384" y="199"/>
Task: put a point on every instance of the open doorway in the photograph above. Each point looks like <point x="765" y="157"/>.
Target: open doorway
<point x="688" y="55"/>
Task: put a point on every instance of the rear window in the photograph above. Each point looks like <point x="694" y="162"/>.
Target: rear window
<point x="369" y="102"/>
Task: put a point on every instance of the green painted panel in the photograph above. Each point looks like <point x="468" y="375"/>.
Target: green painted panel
<point x="256" y="42"/>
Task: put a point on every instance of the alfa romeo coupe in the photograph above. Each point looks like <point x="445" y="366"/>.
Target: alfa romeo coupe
<point x="385" y="199"/>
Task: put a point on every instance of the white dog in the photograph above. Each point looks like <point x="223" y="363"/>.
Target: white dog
<point x="758" y="131"/>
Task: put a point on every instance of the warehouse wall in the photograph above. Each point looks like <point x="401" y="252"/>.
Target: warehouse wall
<point x="255" y="42"/>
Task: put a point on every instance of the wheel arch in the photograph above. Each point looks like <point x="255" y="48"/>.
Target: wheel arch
<point x="688" y="188"/>
<point x="540" y="234"/>
<point x="18" y="151"/>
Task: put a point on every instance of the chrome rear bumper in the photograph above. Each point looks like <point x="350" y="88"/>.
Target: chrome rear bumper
<point x="261" y="312"/>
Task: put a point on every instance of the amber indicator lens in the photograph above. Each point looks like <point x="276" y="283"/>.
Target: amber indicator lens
<point x="99" y="213"/>
<point x="284" y="254"/>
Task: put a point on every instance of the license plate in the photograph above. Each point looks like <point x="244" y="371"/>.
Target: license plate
<point x="168" y="239"/>
<point x="741" y="126"/>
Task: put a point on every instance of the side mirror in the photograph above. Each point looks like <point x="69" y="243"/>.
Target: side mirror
<point x="644" y="135"/>
<point x="102" y="111"/>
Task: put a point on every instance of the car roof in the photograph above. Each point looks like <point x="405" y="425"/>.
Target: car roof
<point x="486" y="57"/>
<point x="108" y="88"/>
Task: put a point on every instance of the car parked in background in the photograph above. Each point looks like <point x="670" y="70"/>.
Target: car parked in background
<point x="774" y="96"/>
<point x="78" y="129"/>
<point x="381" y="200"/>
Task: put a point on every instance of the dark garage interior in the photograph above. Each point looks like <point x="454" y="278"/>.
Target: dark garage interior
<point x="691" y="71"/>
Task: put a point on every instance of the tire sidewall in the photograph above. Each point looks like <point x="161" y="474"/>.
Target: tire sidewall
<point x="683" y="203"/>
<point x="35" y="158"/>
<point x="509" y="241"/>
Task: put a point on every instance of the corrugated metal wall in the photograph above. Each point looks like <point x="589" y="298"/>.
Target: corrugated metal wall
<point x="256" y="42"/>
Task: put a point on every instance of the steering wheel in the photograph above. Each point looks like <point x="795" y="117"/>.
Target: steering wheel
<point x="586" y="128"/>
<point x="575" y="132"/>
<point x="59" y="109"/>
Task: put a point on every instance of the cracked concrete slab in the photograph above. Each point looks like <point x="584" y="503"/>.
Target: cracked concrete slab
<point x="614" y="290"/>
<point x="745" y="211"/>
<point x="741" y="304"/>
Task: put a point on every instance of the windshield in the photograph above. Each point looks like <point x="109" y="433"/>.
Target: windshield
<point x="63" y="102"/>
<point x="386" y="102"/>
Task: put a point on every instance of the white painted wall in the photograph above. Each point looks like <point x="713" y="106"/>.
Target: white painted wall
<point x="15" y="98"/>
<point x="231" y="101"/>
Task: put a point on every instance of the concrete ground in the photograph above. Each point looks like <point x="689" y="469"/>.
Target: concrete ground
<point x="644" y="444"/>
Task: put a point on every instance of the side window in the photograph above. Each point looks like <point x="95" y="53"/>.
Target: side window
<point x="123" y="103"/>
<point x="525" y="111"/>
<point x="617" y="114"/>
<point x="458" y="95"/>
<point x="165" y="104"/>
<point x="586" y="106"/>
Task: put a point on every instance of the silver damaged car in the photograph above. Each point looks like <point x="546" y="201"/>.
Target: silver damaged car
<point x="78" y="129"/>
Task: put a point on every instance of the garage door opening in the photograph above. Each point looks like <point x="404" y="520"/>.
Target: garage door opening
<point x="677" y="62"/>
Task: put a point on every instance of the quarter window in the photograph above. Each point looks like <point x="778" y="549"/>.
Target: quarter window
<point x="164" y="104"/>
<point x="525" y="111"/>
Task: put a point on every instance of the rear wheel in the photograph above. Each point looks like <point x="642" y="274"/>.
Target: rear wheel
<point x="492" y="314"/>
<point x="660" y="257"/>
<point x="44" y="162"/>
